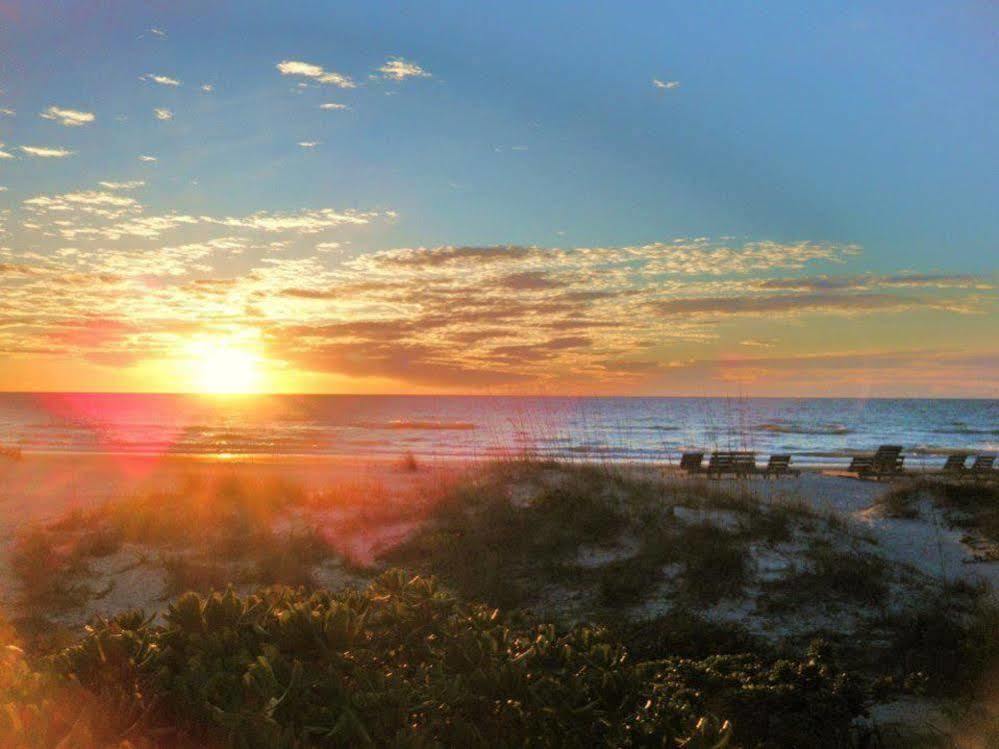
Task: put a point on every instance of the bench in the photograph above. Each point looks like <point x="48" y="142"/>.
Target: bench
<point x="955" y="463"/>
<point x="780" y="465"/>
<point x="887" y="461"/>
<point x="736" y="463"/>
<point x="982" y="468"/>
<point x="691" y="462"/>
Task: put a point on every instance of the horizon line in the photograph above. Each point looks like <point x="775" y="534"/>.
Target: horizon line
<point x="493" y="395"/>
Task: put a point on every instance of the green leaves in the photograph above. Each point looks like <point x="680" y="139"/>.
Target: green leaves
<point x="405" y="664"/>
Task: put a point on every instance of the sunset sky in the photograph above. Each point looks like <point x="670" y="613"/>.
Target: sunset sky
<point x="519" y="197"/>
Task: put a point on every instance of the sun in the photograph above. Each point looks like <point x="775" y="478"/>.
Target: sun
<point x="221" y="367"/>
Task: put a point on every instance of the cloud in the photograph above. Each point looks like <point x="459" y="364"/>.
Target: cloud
<point x="304" y="222"/>
<point x="398" y="69"/>
<point x="308" y="143"/>
<point x="871" y="280"/>
<point x="530" y="281"/>
<point x="163" y="80"/>
<point x="621" y="318"/>
<point x="665" y="85"/>
<point x="794" y="303"/>
<point x="6" y="154"/>
<point x="147" y="158"/>
<point x="333" y="105"/>
<point x="107" y="205"/>
<point x="207" y="88"/>
<point x="158" y="32"/>
<point x="163" y="114"/>
<point x="130" y="185"/>
<point x="442" y="256"/>
<point x="67" y="117"/>
<point x="7" y="112"/>
<point x="315" y="72"/>
<point x="46" y="152"/>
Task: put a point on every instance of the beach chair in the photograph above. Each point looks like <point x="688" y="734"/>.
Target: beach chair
<point x="691" y="463"/>
<point x="886" y="462"/>
<point x="780" y="465"/>
<point x="983" y="467"/>
<point x="955" y="464"/>
<point x="739" y="464"/>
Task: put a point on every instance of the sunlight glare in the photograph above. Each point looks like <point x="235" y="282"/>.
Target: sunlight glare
<point x="219" y="367"/>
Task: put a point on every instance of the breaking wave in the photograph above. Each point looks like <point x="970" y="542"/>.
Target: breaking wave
<point x="820" y="429"/>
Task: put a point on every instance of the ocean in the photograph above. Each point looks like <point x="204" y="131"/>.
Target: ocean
<point x="816" y="431"/>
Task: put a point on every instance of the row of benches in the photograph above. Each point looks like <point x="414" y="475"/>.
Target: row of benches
<point x="887" y="462"/>
<point x="737" y="464"/>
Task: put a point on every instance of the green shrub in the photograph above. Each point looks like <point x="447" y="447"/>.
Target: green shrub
<point x="405" y="664"/>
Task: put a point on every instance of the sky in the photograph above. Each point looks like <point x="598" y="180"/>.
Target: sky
<point x="662" y="198"/>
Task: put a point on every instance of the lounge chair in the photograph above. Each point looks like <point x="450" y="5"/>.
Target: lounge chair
<point x="737" y="463"/>
<point x="691" y="463"/>
<point x="982" y="468"/>
<point x="780" y="465"/>
<point x="955" y="464"/>
<point x="886" y="462"/>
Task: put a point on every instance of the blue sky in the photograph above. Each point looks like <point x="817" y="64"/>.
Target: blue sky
<point x="849" y="122"/>
<point x="869" y="124"/>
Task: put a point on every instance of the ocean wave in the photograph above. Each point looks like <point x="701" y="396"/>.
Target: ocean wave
<point x="968" y="431"/>
<point x="821" y="429"/>
<point x="428" y="425"/>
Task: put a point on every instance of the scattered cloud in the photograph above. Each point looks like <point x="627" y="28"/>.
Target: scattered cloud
<point x="6" y="112"/>
<point x="147" y="158"/>
<point x="5" y="154"/>
<point x="207" y="88"/>
<point x="163" y="114"/>
<point x="665" y="85"/>
<point x="158" y="32"/>
<point x="130" y="185"/>
<point x="852" y="303"/>
<point x="333" y="105"/>
<point x="308" y="143"/>
<point x="398" y="69"/>
<point x="162" y="80"/>
<point x="315" y="72"/>
<point x="46" y="152"/>
<point x="67" y="117"/>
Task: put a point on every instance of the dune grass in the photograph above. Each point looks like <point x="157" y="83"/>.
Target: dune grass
<point x="972" y="505"/>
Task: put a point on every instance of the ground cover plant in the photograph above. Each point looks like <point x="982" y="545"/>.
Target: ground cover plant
<point x="402" y="663"/>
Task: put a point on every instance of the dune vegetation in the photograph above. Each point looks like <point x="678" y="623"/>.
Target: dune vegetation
<point x="526" y="604"/>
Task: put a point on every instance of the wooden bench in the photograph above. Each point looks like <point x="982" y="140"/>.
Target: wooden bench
<point x="691" y="462"/>
<point x="982" y="468"/>
<point x="780" y="465"/>
<point x="955" y="464"/>
<point x="736" y="463"/>
<point x="886" y="462"/>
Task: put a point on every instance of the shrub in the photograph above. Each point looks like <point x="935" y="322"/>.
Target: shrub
<point x="403" y="663"/>
<point x="950" y="645"/>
